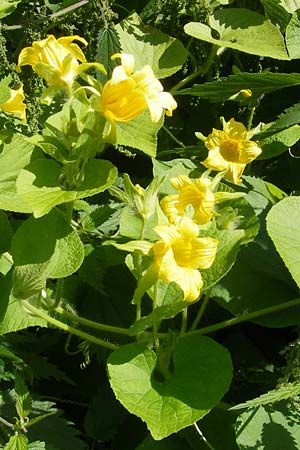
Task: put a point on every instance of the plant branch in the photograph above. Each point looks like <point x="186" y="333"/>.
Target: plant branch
<point x="91" y="323"/>
<point x="63" y="326"/>
<point x="244" y="318"/>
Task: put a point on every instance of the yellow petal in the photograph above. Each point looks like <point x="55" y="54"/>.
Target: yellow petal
<point x="15" y="103"/>
<point x="235" y="172"/>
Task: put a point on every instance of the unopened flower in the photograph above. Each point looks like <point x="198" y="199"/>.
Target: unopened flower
<point x="15" y="104"/>
<point x="230" y="150"/>
<point x="180" y="253"/>
<point x="196" y="192"/>
<point x="55" y="60"/>
<point x="128" y="93"/>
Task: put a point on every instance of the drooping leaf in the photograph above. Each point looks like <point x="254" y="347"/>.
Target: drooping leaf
<point x="243" y="30"/>
<point x="182" y="399"/>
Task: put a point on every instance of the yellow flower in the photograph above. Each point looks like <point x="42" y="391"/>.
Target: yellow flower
<point x="15" y="103"/>
<point x="180" y="253"/>
<point x="55" y="60"/>
<point x="196" y="192"/>
<point x="129" y="92"/>
<point x="230" y="150"/>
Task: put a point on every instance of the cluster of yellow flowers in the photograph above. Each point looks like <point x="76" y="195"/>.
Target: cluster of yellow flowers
<point x="122" y="98"/>
<point x="179" y="252"/>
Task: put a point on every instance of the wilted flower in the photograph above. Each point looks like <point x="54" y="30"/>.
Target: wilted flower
<point x="230" y="150"/>
<point x="129" y="92"/>
<point x="55" y="60"/>
<point x="180" y="253"/>
<point x="196" y="192"/>
<point x="15" y="103"/>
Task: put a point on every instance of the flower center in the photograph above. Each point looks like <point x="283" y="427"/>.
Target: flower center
<point x="230" y="150"/>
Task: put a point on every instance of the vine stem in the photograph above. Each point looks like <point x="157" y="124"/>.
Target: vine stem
<point x="203" y="437"/>
<point x="63" y="326"/>
<point x="91" y="323"/>
<point x="244" y="317"/>
<point x="250" y="120"/>
<point x="200" y="312"/>
<point x="203" y="69"/>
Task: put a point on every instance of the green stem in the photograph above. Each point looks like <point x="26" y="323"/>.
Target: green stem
<point x="200" y="312"/>
<point x="244" y="318"/>
<point x="90" y="323"/>
<point x="184" y="321"/>
<point x="250" y="120"/>
<point x="63" y="326"/>
<point x="203" y="437"/>
<point x="201" y="71"/>
<point x="6" y="423"/>
<point x="173" y="137"/>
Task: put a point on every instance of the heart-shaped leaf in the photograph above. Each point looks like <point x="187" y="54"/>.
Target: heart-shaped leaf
<point x="202" y="374"/>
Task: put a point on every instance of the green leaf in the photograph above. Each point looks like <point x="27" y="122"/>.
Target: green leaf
<point x="283" y="225"/>
<point x="37" y="445"/>
<point x="269" y="428"/>
<point x="247" y="288"/>
<point x="48" y="243"/>
<point x="23" y="399"/>
<point x="108" y="43"/>
<point x="276" y="395"/>
<point x="6" y="233"/>
<point x="65" y="437"/>
<point x="140" y="133"/>
<point x="243" y="30"/>
<point x="13" y="316"/>
<point x="288" y="118"/>
<point x="7" y="7"/>
<point x="292" y="36"/>
<point x="277" y="12"/>
<point x="14" y="156"/>
<point x="150" y="46"/>
<point x="182" y="399"/>
<point x="290" y="5"/>
<point x="259" y="83"/>
<point x="38" y="184"/>
<point x="279" y="142"/>
<point x="4" y="84"/>
<point x="17" y="442"/>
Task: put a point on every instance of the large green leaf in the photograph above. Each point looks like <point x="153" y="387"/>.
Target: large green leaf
<point x="283" y="225"/>
<point x="7" y="7"/>
<point x="292" y="36"/>
<point x="241" y="29"/>
<point x="276" y="11"/>
<point x="150" y="46"/>
<point x="38" y="184"/>
<point x="279" y="142"/>
<point x="140" y="133"/>
<point x="17" y="442"/>
<point x="259" y="83"/>
<point x="273" y="427"/>
<point x="14" y="156"/>
<point x="202" y="374"/>
<point x="6" y="233"/>
<point x="48" y="242"/>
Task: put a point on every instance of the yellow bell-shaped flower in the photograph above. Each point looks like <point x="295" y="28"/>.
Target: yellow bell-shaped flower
<point x="196" y="192"/>
<point x="180" y="253"/>
<point x="55" y="60"/>
<point x="129" y="92"/>
<point x="230" y="150"/>
<point x="15" y="104"/>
